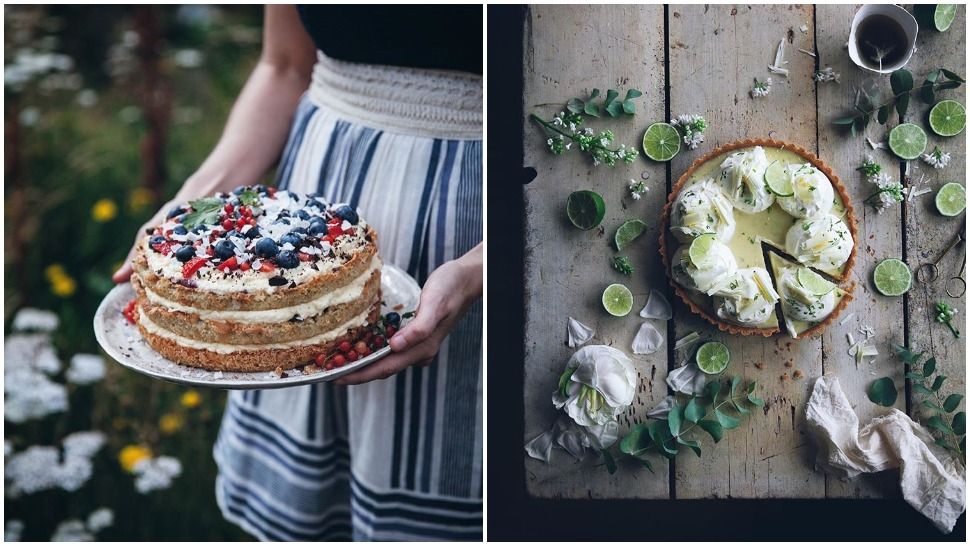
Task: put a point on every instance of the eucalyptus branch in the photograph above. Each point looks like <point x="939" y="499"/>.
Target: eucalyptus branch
<point x="952" y="430"/>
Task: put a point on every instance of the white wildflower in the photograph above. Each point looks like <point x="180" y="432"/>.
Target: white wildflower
<point x="12" y="530"/>
<point x="691" y="127"/>
<point x="72" y="530"/>
<point x="100" y="519"/>
<point x="87" y="98"/>
<point x="7" y="448"/>
<point x="37" y="320"/>
<point x="188" y="58"/>
<point x="30" y="470"/>
<point x="761" y="88"/>
<point x="85" y="369"/>
<point x="156" y="473"/>
<point x="637" y="188"/>
<point x="938" y="159"/>
<point x="827" y="75"/>
<point x="83" y="444"/>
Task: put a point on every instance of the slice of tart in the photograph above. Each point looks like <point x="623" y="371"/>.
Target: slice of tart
<point x="737" y="201"/>
<point x="808" y="300"/>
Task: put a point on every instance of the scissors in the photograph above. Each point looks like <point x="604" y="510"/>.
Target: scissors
<point x="929" y="272"/>
<point x="957" y="286"/>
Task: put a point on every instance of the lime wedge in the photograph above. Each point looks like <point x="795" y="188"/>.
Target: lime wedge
<point x="626" y="233"/>
<point x="813" y="282"/>
<point x="713" y="357"/>
<point x="907" y="141"/>
<point x="778" y="179"/>
<point x="892" y="277"/>
<point x="700" y="247"/>
<point x="585" y="209"/>
<point x="951" y="199"/>
<point x="617" y="300"/>
<point x="940" y="16"/>
<point x="948" y="118"/>
<point x="661" y="142"/>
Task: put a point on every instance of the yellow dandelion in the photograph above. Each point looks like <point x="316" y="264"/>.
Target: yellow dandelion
<point x="104" y="210"/>
<point x="170" y="423"/>
<point x="191" y="399"/>
<point x="63" y="286"/>
<point x="54" y="271"/>
<point x="140" y="198"/>
<point x="131" y="454"/>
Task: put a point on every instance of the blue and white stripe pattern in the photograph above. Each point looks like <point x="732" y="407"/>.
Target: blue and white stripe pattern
<point x="398" y="459"/>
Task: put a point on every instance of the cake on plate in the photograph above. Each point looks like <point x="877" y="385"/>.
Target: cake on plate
<point x="257" y="279"/>
<point x="739" y="204"/>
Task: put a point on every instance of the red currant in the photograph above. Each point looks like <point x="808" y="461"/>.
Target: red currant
<point x="320" y="359"/>
<point x="391" y="331"/>
<point x="228" y="208"/>
<point x="360" y="347"/>
<point x="345" y="346"/>
<point x="352" y="356"/>
<point x="227" y="224"/>
<point x="365" y="352"/>
<point x="338" y="360"/>
<point x="379" y="341"/>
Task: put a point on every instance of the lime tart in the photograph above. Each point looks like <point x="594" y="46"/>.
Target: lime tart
<point x="741" y="202"/>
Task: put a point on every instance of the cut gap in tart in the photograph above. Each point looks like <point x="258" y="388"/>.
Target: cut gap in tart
<point x="808" y="301"/>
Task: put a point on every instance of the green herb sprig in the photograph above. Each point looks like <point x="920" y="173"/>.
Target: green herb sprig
<point x="623" y="265"/>
<point x="950" y="432"/>
<point x="664" y="436"/>
<point x="944" y="315"/>
<point x="611" y="104"/>
<point x="901" y="82"/>
<point x="249" y="198"/>
<point x="565" y="129"/>
<point x="204" y="211"/>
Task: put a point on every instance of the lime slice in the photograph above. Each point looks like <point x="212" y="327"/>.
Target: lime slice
<point x="892" y="277"/>
<point x="585" y="209"/>
<point x="951" y="199"/>
<point x="626" y="233"/>
<point x="940" y="16"/>
<point x="700" y="247"/>
<point x="713" y="357"/>
<point x="813" y="282"/>
<point x="778" y="179"/>
<point x="948" y="118"/>
<point x="618" y="300"/>
<point x="661" y="142"/>
<point x="907" y="141"/>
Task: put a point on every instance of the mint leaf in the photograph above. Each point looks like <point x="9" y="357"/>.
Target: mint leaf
<point x="249" y="198"/>
<point x="204" y="211"/>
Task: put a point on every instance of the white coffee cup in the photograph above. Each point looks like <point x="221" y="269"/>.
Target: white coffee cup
<point x="898" y="14"/>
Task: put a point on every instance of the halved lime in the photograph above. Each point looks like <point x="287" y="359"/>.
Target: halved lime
<point x="626" y="233"/>
<point x="951" y="199"/>
<point x="907" y="141"/>
<point x="892" y="277"/>
<point x="661" y="142"/>
<point x="585" y="209"/>
<point x="813" y="282"/>
<point x="948" y="118"/>
<point x="778" y="179"/>
<point x="618" y="300"/>
<point x="700" y="247"/>
<point x="939" y="15"/>
<point x="713" y="357"/>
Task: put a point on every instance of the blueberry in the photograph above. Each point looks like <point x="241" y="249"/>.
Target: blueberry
<point x="239" y="190"/>
<point x="287" y="259"/>
<point x="185" y="253"/>
<point x="251" y="233"/>
<point x="293" y="238"/>
<point x="156" y="240"/>
<point x="282" y="221"/>
<point x="175" y="212"/>
<point x="201" y="228"/>
<point x="283" y="214"/>
<point x="300" y="230"/>
<point x="393" y="319"/>
<point x="302" y="214"/>
<point x="319" y="204"/>
<point x="224" y="250"/>
<point x="232" y="233"/>
<point x="317" y="226"/>
<point x="260" y="188"/>
<point x="266" y="248"/>
<point x="180" y="230"/>
<point x="347" y="213"/>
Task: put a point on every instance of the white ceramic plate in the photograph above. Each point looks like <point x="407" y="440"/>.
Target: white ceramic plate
<point x="124" y="343"/>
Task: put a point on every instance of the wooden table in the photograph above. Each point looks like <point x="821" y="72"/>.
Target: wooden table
<point x="703" y="59"/>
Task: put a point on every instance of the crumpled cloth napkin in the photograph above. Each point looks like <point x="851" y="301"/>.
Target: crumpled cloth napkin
<point x="932" y="480"/>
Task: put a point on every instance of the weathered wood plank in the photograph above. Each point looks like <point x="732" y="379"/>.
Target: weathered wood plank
<point x="927" y="232"/>
<point x="879" y="237"/>
<point x="568" y="51"/>
<point x="715" y="53"/>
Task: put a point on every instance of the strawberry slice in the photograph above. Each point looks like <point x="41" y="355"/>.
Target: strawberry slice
<point x="227" y="265"/>
<point x="244" y="266"/>
<point x="163" y="248"/>
<point x="129" y="311"/>
<point x="191" y="266"/>
<point x="267" y="267"/>
<point x="304" y="257"/>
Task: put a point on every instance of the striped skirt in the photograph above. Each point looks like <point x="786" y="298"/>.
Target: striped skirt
<point x="401" y="458"/>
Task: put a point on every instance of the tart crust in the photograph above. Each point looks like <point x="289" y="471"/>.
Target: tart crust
<point x="730" y="327"/>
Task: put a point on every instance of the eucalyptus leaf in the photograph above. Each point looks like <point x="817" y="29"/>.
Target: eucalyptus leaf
<point x="713" y="388"/>
<point x="576" y="106"/>
<point x="727" y="421"/>
<point x="907" y="356"/>
<point x="614" y="109"/>
<point x="592" y="109"/>
<point x="926" y="93"/>
<point x="939" y="424"/>
<point x="883" y="392"/>
<point x="883" y="116"/>
<point x="611" y="95"/>
<point x="844" y="121"/>
<point x="922" y="389"/>
<point x="931" y="405"/>
<point x="914" y="376"/>
<point x="594" y="93"/>
<point x="853" y="129"/>
<point x="929" y="367"/>
<point x="674" y="419"/>
<point x="960" y="423"/>
<point x="902" y="104"/>
<point x="751" y="386"/>
<point x="660" y="433"/>
<point x="735" y="381"/>
<point x="740" y="407"/>
<point x="901" y="81"/>
<point x="646" y="464"/>
<point x="637" y="440"/>
<point x="947" y="85"/>
<point x="608" y="459"/>
<point x="632" y="94"/>
<point x="629" y="107"/>
<point x="952" y="75"/>
<point x="952" y="402"/>
<point x="695" y="410"/>
<point x="692" y="444"/>
<point x="713" y="428"/>
<point x="938" y="382"/>
<point x="756" y="401"/>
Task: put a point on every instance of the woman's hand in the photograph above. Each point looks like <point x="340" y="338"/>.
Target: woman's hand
<point x="124" y="273"/>
<point x="446" y="295"/>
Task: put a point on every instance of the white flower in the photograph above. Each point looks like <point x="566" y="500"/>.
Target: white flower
<point x="37" y="320"/>
<point x="100" y="519"/>
<point x="761" y="88"/>
<point x="30" y="352"/>
<point x="72" y="530"/>
<point x="12" y="530"/>
<point x="30" y="470"/>
<point x="637" y="188"/>
<point x="937" y="159"/>
<point x="600" y="387"/>
<point x="188" y="58"/>
<point x="85" y="369"/>
<point x="83" y="444"/>
<point x="827" y="75"/>
<point x="156" y="473"/>
<point x="692" y="127"/>
<point x="87" y="98"/>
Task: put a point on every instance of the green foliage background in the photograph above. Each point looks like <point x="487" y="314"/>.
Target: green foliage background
<point x="61" y="158"/>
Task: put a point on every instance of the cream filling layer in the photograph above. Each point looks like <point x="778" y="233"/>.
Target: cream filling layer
<point x="312" y="308"/>
<point x="223" y="348"/>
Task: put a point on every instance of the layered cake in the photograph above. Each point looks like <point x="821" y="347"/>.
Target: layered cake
<point x="741" y="203"/>
<point x="257" y="280"/>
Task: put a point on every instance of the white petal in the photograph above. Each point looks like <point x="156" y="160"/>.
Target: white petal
<point x="647" y="340"/>
<point x="661" y="410"/>
<point x="687" y="379"/>
<point x="607" y="370"/>
<point x="578" y="332"/>
<point x="603" y="436"/>
<point x="574" y="441"/>
<point x="657" y="306"/>
<point x="541" y="446"/>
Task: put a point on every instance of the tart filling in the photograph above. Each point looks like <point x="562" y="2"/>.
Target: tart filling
<point x="802" y="307"/>
<point x="823" y="242"/>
